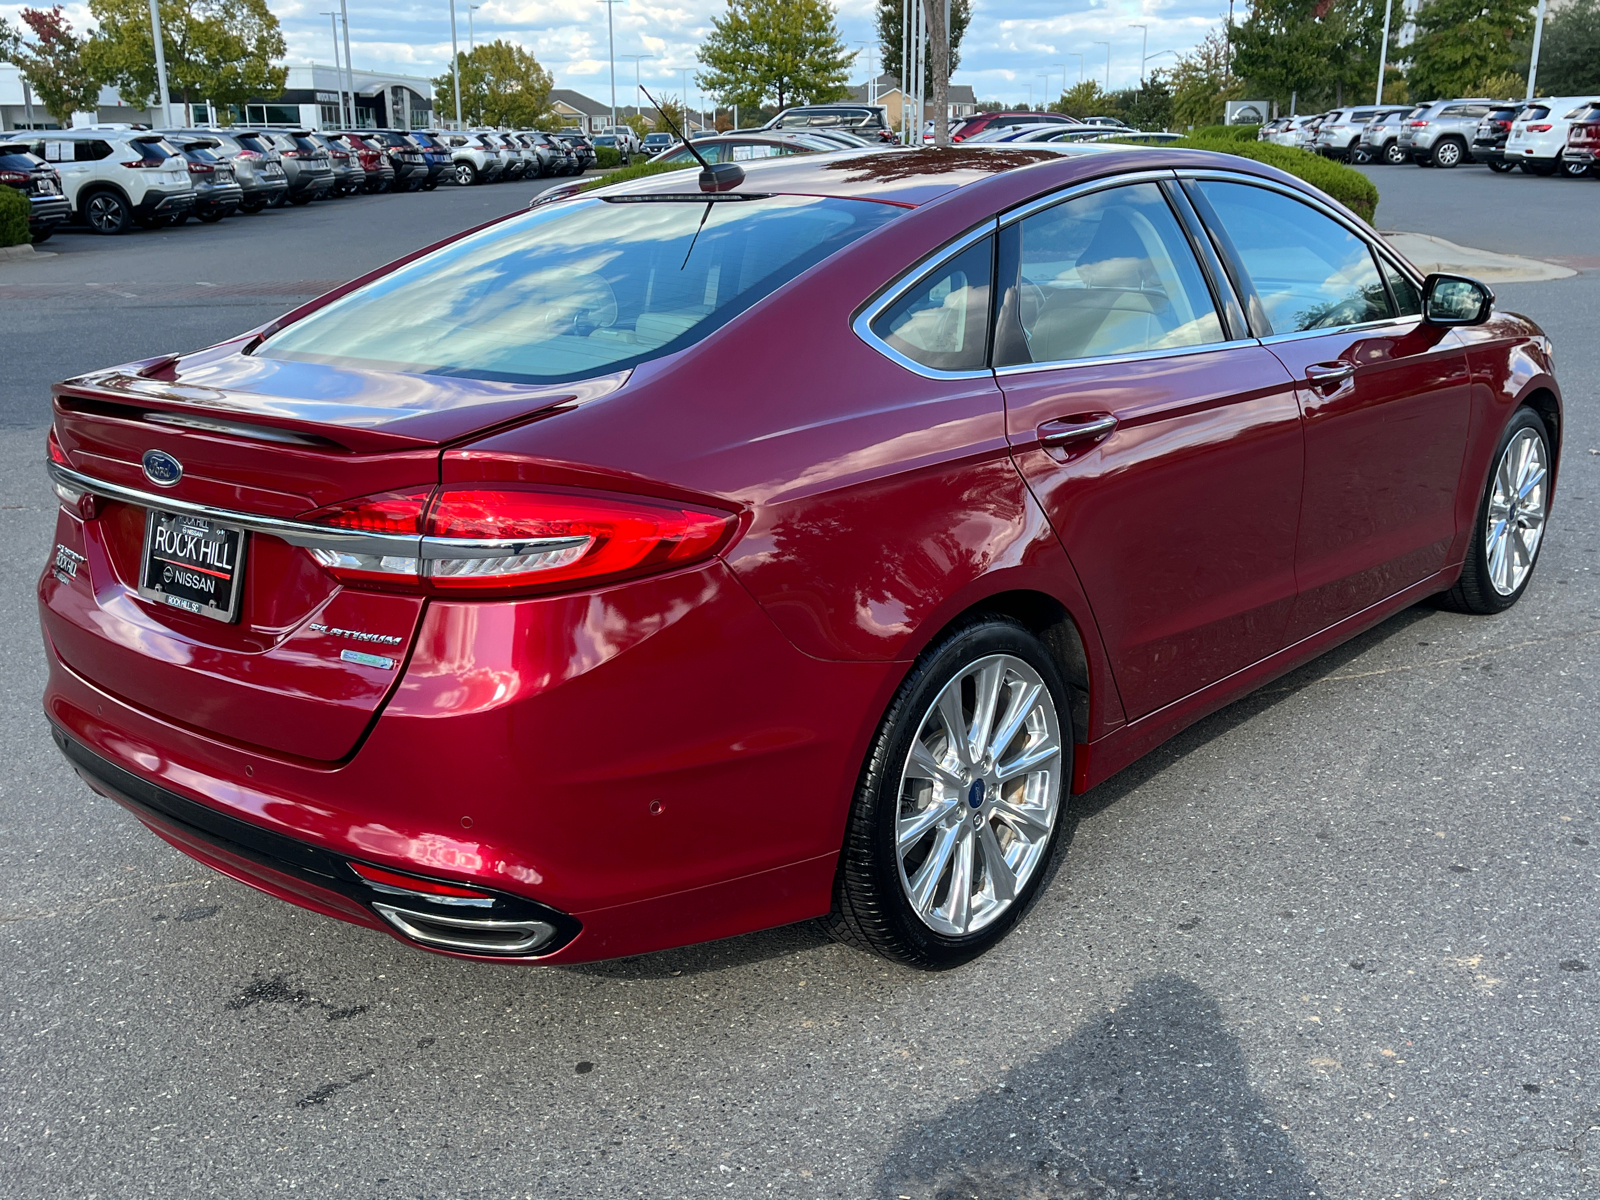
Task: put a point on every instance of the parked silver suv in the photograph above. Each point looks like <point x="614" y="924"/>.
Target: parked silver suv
<point x="1339" y="135"/>
<point x="114" y="178"/>
<point x="1441" y="134"/>
<point x="1380" y="137"/>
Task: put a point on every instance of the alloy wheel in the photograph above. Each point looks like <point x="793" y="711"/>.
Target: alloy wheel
<point x="1574" y="170"/>
<point x="465" y="174"/>
<point x="979" y="794"/>
<point x="107" y="213"/>
<point x="1393" y="154"/>
<point x="1446" y="154"/>
<point x="1517" y="505"/>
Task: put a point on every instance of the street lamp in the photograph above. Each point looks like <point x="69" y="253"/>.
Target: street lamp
<point x="1079" y="57"/>
<point x="872" y="72"/>
<point x="1107" y="45"/>
<point x="1045" y="75"/>
<point x="455" y="61"/>
<point x="338" y="73"/>
<point x="472" y="43"/>
<point x="349" y="63"/>
<point x="611" y="45"/>
<point x="161" y="61"/>
<point x="636" y="58"/>
<point x="1143" y="46"/>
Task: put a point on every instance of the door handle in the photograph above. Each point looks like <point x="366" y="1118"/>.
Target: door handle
<point x="1330" y="374"/>
<point x="1064" y="431"/>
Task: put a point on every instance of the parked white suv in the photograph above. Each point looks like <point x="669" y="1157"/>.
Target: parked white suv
<point x="1539" y="134"/>
<point x="113" y="178"/>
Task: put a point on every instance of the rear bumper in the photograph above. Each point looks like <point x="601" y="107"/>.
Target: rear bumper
<point x="306" y="183"/>
<point x="1577" y="154"/>
<point x="46" y="212"/>
<point x="165" y="204"/>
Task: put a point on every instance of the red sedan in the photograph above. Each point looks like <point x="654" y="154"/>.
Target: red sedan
<point x="705" y="554"/>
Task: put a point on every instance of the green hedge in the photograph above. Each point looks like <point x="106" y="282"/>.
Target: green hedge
<point x="1226" y="133"/>
<point x="14" y="210"/>
<point x="638" y="171"/>
<point x="607" y="157"/>
<point x="1350" y="187"/>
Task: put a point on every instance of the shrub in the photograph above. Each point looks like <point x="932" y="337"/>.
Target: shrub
<point x="607" y="157"/>
<point x="1349" y="187"/>
<point x="1226" y="133"/>
<point x="14" y="211"/>
<point x="639" y="171"/>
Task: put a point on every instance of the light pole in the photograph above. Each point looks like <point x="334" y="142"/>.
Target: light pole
<point x="455" y="61"/>
<point x="872" y="74"/>
<point x="1143" y="46"/>
<point x="161" y="61"/>
<point x="1045" y="75"/>
<point x="1383" y="50"/>
<point x="349" y="63"/>
<point x="1533" y="61"/>
<point x="611" y="44"/>
<point x="636" y="58"/>
<point x="1107" y="45"/>
<point x="685" y="71"/>
<point x="333" y="21"/>
<point x="472" y="43"/>
<point x="1079" y="57"/>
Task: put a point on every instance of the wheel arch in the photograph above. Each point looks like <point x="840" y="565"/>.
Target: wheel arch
<point x="87" y="192"/>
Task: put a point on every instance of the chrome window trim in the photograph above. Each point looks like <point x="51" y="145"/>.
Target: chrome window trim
<point x="1024" y="211"/>
<point x="1300" y="334"/>
<point x="313" y="537"/>
<point x="1360" y="229"/>
<point x="862" y="325"/>
<point x="1136" y="356"/>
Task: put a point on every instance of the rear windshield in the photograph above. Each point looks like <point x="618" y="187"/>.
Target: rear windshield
<point x="1589" y="112"/>
<point x="1535" y="112"/>
<point x="16" y="158"/>
<point x="579" y="288"/>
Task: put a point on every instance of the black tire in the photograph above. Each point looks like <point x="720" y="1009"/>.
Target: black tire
<point x="107" y="212"/>
<point x="1574" y="170"/>
<point x="43" y="235"/>
<point x="212" y="217"/>
<point x="431" y="185"/>
<point x="1394" y="154"/>
<point x="302" y="199"/>
<point x="1474" y="592"/>
<point x="1358" y="154"/>
<point x="1450" y="152"/>
<point x="466" y="174"/>
<point x="1534" y="166"/>
<point x="1501" y="167"/>
<point x="279" y="199"/>
<point x="252" y="206"/>
<point x="871" y="910"/>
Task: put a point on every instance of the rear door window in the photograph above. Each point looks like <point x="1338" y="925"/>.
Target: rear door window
<point x="1309" y="271"/>
<point x="1109" y="273"/>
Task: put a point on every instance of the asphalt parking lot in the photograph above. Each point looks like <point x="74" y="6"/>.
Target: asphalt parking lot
<point x="1338" y="940"/>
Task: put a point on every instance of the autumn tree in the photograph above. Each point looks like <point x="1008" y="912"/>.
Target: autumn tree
<point x="781" y="52"/>
<point x="52" y="62"/>
<point x="1202" y="84"/>
<point x="1463" y="42"/>
<point x="891" y="35"/>
<point x="217" y="50"/>
<point x="501" y="84"/>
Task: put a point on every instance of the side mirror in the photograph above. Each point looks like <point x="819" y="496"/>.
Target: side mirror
<point x="1455" y="300"/>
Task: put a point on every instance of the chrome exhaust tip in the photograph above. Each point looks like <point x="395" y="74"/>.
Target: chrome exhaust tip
<point x="468" y="934"/>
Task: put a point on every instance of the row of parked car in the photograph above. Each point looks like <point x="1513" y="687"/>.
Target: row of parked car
<point x="113" y="177"/>
<point x="1543" y="136"/>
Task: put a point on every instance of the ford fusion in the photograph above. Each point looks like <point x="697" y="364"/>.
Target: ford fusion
<point x="724" y="549"/>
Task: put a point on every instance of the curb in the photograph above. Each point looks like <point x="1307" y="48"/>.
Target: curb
<point x="1436" y="254"/>
<point x="23" y="251"/>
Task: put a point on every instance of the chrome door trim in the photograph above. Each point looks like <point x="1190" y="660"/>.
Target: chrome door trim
<point x="862" y="325"/>
<point x="312" y="537"/>
<point x="1300" y="334"/>
<point x="1136" y="356"/>
<point x="1022" y="212"/>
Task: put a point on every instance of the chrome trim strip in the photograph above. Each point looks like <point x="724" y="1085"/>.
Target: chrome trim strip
<point x="1300" y="334"/>
<point x="316" y="537"/>
<point x="1138" y="356"/>
<point x="862" y="325"/>
<point x="1083" y="189"/>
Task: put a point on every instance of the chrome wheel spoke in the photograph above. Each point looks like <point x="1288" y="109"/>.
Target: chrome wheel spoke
<point x="1516" y="512"/>
<point x="969" y="847"/>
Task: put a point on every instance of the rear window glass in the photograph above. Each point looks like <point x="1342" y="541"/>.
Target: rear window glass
<point x="579" y="288"/>
<point x="15" y="161"/>
<point x="1537" y="112"/>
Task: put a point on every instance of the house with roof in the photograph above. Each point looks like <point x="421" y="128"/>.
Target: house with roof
<point x="885" y="90"/>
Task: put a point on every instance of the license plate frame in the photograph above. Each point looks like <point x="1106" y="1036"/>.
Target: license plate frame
<point x="190" y="570"/>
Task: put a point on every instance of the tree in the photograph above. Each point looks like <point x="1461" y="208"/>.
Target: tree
<point x="891" y="31"/>
<point x="784" y="51"/>
<point x="1081" y="100"/>
<point x="1463" y="42"/>
<point x="1202" y="85"/>
<point x="1313" y="48"/>
<point x="53" y="64"/>
<point x="1569" y="57"/>
<point x="217" y="50"/>
<point x="501" y="84"/>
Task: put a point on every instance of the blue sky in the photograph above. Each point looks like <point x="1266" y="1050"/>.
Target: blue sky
<point x="1009" y="47"/>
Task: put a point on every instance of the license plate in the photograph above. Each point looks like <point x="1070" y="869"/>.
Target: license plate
<point x="193" y="564"/>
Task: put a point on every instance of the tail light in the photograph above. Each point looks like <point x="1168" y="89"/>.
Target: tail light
<point x="15" y="178"/>
<point x="248" y="154"/>
<point x="1540" y="128"/>
<point x="145" y="164"/>
<point x="291" y="153"/>
<point x="484" y="539"/>
<point x="1417" y="124"/>
<point x="200" y="168"/>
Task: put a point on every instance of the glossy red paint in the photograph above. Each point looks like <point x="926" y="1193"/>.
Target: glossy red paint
<point x="672" y="758"/>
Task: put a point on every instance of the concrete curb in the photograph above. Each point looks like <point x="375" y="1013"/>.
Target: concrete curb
<point x="23" y="251"/>
<point x="1435" y="254"/>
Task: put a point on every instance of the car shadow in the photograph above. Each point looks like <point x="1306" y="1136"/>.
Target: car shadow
<point x="1152" y="1099"/>
<point x="809" y="935"/>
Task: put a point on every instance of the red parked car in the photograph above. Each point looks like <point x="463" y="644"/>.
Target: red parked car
<point x="666" y="563"/>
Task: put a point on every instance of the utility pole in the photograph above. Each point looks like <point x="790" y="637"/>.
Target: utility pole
<point x="939" y="43"/>
<point x="27" y="101"/>
<point x="1533" y="61"/>
<point x="455" y="62"/>
<point x="471" y="41"/>
<point x="338" y="71"/>
<point x="1144" y="47"/>
<point x="1045" y="75"/>
<point x="636" y="58"/>
<point x="1383" y="50"/>
<point x="349" y="64"/>
<point x="1107" y="45"/>
<point x="1079" y="57"/>
<point x="161" y="62"/>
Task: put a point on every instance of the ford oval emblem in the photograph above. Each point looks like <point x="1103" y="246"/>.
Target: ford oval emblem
<point x="161" y="469"/>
